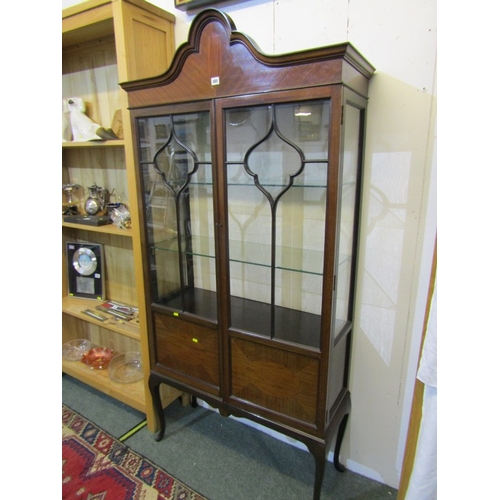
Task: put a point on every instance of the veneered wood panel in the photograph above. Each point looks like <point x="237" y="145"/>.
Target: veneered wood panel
<point x="190" y="350"/>
<point x="274" y="379"/>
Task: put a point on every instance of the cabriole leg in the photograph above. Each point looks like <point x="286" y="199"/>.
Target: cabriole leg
<point x="338" y="444"/>
<point x="318" y="477"/>
<point x="319" y="453"/>
<point x="154" y="388"/>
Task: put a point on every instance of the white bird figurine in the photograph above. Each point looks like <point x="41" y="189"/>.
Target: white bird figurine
<point x="82" y="127"/>
<point x="66" y="126"/>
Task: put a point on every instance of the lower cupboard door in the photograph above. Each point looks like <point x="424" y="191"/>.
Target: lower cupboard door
<point x="274" y="379"/>
<point x="187" y="352"/>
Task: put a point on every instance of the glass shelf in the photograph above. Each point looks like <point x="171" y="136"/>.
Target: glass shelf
<point x="258" y="254"/>
<point x="295" y="185"/>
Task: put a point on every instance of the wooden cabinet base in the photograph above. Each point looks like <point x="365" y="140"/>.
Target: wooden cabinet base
<point x="319" y="447"/>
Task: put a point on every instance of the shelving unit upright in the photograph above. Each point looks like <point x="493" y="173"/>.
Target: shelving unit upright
<point x="105" y="42"/>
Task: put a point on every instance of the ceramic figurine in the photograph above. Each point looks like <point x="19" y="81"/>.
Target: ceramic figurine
<point x="66" y="126"/>
<point x="82" y="127"/>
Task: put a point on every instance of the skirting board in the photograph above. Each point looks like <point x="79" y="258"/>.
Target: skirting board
<point x="350" y="464"/>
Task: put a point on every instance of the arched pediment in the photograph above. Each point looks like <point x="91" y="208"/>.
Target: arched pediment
<point x="219" y="61"/>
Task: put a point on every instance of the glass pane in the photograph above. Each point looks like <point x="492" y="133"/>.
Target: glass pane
<point x="306" y="124"/>
<point x="276" y="166"/>
<point x="178" y="195"/>
<point x="347" y="214"/>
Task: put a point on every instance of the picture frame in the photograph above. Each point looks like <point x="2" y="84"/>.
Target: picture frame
<point x="194" y="4"/>
<point x="85" y="270"/>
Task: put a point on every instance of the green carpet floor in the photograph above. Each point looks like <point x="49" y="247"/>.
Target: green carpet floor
<point x="221" y="458"/>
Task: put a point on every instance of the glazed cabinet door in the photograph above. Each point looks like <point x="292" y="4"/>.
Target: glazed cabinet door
<point x="278" y="156"/>
<point x="176" y="170"/>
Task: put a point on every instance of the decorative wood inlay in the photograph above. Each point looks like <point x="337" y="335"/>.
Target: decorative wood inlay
<point x="281" y="381"/>
<point x="188" y="349"/>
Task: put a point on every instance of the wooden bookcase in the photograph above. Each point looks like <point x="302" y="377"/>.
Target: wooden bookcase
<point x="105" y="42"/>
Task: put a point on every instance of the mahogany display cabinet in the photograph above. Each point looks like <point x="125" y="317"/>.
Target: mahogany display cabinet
<point x="250" y="169"/>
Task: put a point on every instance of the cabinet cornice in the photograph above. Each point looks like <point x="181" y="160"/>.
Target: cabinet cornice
<point x="229" y="56"/>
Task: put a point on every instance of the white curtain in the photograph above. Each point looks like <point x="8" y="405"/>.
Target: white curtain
<point x="423" y="480"/>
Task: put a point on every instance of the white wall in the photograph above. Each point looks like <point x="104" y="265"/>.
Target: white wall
<point x="399" y="208"/>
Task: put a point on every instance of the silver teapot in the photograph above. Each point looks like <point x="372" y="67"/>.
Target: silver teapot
<point x="97" y="202"/>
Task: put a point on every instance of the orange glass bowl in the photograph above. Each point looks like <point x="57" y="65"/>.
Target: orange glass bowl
<point x="98" y="358"/>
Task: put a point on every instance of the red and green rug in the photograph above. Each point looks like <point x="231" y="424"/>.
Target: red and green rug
<point x="96" y="466"/>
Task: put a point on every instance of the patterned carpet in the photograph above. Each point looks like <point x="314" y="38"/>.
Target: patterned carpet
<point x="221" y="458"/>
<point x="97" y="466"/>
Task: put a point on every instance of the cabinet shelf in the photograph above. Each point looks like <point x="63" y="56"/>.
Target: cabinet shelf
<point x="93" y="19"/>
<point x="257" y="254"/>
<point x="106" y="229"/>
<point x="279" y="185"/>
<point x="75" y="306"/>
<point x="131" y="394"/>
<point x="118" y="143"/>
<point x="294" y="326"/>
<point x="264" y="185"/>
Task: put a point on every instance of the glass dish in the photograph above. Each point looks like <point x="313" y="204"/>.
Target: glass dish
<point x="98" y="358"/>
<point x="75" y="349"/>
<point x="126" y="368"/>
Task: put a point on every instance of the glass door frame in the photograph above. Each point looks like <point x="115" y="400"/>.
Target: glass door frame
<point x="156" y="112"/>
<point x="334" y="93"/>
